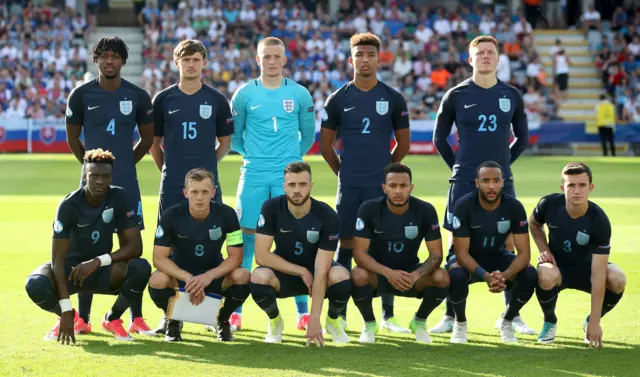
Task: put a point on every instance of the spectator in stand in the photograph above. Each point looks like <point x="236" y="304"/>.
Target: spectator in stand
<point x="591" y="27"/>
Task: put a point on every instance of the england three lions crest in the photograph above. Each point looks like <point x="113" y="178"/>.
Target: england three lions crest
<point x="505" y="104"/>
<point x="126" y="107"/>
<point x="288" y="105"/>
<point x="382" y="107"/>
<point x="205" y="111"/>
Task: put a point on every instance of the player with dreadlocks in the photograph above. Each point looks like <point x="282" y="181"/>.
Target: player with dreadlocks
<point x="82" y="257"/>
<point x="108" y="109"/>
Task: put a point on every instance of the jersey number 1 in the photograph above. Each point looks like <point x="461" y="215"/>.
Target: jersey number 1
<point x="492" y="119"/>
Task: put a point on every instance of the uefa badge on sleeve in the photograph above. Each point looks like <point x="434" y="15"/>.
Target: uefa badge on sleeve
<point x="205" y="111"/>
<point x="57" y="226"/>
<point x="456" y="222"/>
<point x="159" y="232"/>
<point x="261" y="221"/>
<point x="359" y="224"/>
<point x="505" y="104"/>
<point x="126" y="107"/>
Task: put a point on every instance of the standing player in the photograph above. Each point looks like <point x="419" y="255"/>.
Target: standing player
<point x="389" y="231"/>
<point x="367" y="112"/>
<point x="576" y="255"/>
<point x="274" y="121"/>
<point x="189" y="117"/>
<point x="108" y="109"/>
<point x="484" y="109"/>
<point x="82" y="257"/>
<point x="187" y="254"/>
<point x="482" y="221"/>
<point x="305" y="232"/>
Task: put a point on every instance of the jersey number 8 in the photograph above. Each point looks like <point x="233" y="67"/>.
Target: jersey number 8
<point x="199" y="250"/>
<point x="492" y="119"/>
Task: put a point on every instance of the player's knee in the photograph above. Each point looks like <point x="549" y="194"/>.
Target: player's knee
<point x="440" y="278"/>
<point x="359" y="276"/>
<point x="458" y="276"/>
<point x="240" y="276"/>
<point x="548" y="276"/>
<point x="118" y="273"/>
<point x="529" y="275"/>
<point x="338" y="274"/>
<point x="38" y="288"/>
<point x="616" y="279"/>
<point x="260" y="276"/>
<point x="159" y="280"/>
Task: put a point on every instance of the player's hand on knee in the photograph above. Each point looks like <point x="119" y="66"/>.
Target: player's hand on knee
<point x="546" y="257"/>
<point x="594" y="334"/>
<point x="65" y="332"/>
<point x="314" y="333"/>
<point x="400" y="280"/>
<point x="82" y="271"/>
<point x="307" y="278"/>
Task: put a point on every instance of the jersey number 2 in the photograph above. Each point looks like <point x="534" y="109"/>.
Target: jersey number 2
<point x="366" y="122"/>
<point x="111" y="127"/>
<point x="189" y="130"/>
<point x="492" y="119"/>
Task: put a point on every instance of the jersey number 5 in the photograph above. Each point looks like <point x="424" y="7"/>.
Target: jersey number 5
<point x="189" y="130"/>
<point x="299" y="248"/>
<point x="492" y="119"/>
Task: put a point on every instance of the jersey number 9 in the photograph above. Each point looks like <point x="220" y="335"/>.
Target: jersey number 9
<point x="492" y="119"/>
<point x="189" y="130"/>
<point x="95" y="236"/>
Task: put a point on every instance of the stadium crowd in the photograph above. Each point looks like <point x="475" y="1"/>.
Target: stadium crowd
<point x="43" y="53"/>
<point x="43" y="50"/>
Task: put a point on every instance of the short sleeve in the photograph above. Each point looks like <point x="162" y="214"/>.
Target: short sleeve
<point x="364" y="222"/>
<point x="64" y="220"/>
<point x="164" y="231"/>
<point x="144" y="113"/>
<point x="267" y="219"/>
<point x="126" y="214"/>
<point x="330" y="231"/>
<point x="158" y="114"/>
<point x="518" y="215"/>
<point x="461" y="219"/>
<point x="601" y="241"/>
<point x="331" y="113"/>
<point x="400" y="112"/>
<point x="431" y="227"/>
<point x="224" y="120"/>
<point x="232" y="227"/>
<point x="74" y="108"/>
<point x="540" y="212"/>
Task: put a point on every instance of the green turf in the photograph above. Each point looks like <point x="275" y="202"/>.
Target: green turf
<point x="32" y="186"/>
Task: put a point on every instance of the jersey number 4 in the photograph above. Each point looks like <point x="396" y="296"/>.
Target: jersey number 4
<point x="189" y="130"/>
<point x="483" y="119"/>
<point x="111" y="127"/>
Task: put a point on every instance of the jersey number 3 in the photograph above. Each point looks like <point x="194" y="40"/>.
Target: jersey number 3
<point x="483" y="119"/>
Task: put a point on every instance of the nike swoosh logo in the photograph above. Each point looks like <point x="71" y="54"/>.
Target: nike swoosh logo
<point x="91" y="108"/>
<point x="181" y="236"/>
<point x="255" y="107"/>
<point x="553" y="226"/>
<point x="284" y="231"/>
<point x="82" y="225"/>
<point x="173" y="111"/>
<point x="468" y="106"/>
<point x="476" y="226"/>
<point x="378" y="231"/>
<point x="349" y="109"/>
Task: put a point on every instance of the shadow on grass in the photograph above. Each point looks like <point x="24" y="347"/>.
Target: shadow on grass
<point x="392" y="355"/>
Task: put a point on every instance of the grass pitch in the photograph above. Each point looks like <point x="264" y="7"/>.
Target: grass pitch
<point x="32" y="185"/>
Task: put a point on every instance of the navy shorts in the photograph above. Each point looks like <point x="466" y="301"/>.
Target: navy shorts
<point x="493" y="262"/>
<point x="348" y="202"/>
<point x="97" y="282"/>
<point x="214" y="288"/>
<point x="385" y="288"/>
<point x="458" y="189"/>
<point x="576" y="277"/>
<point x="292" y="285"/>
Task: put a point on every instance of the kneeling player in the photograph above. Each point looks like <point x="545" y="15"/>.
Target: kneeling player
<point x="187" y="254"/>
<point x="577" y="254"/>
<point x="82" y="258"/>
<point x="391" y="229"/>
<point x="305" y="232"/>
<point x="482" y="221"/>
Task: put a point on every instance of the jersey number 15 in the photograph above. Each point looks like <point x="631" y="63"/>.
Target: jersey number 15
<point x="189" y="130"/>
